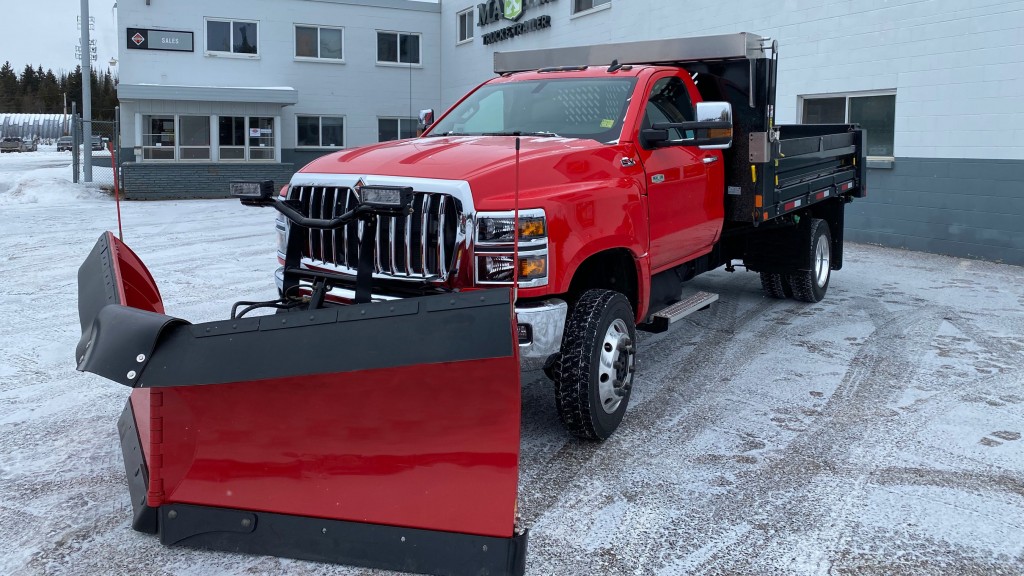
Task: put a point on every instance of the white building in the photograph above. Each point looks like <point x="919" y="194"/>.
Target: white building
<point x="215" y="91"/>
<point x="937" y="83"/>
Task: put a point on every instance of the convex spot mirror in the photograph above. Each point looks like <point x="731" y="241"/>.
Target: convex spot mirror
<point x="426" y="121"/>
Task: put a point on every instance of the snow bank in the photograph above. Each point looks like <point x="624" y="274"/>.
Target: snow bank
<point x="44" y="177"/>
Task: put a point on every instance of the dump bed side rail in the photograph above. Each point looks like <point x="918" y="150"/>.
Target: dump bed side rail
<point x="810" y="163"/>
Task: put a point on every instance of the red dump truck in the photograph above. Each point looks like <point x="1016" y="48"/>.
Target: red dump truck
<point x="635" y="168"/>
<point x="544" y="218"/>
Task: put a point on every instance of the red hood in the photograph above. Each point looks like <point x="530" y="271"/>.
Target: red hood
<point x="486" y="162"/>
<point x="451" y="157"/>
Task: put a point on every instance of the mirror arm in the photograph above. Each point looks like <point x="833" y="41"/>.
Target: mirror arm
<point x="706" y="125"/>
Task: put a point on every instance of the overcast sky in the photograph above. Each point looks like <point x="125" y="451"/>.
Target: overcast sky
<point x="45" y="32"/>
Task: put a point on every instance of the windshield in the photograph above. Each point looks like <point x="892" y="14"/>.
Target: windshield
<point x="569" y="107"/>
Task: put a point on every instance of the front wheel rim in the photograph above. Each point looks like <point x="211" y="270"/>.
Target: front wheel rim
<point x="822" y="261"/>
<point x="615" y="366"/>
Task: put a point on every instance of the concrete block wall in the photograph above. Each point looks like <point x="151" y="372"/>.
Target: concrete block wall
<point x="156" y="181"/>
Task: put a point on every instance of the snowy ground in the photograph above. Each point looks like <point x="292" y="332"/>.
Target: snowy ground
<point x="878" y="432"/>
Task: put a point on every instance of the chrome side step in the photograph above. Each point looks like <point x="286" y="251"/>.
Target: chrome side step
<point x="662" y="319"/>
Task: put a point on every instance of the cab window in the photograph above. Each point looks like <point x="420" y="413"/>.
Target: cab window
<point x="669" y="101"/>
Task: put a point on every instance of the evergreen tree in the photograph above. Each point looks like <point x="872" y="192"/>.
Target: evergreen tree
<point x="49" y="93"/>
<point x="29" y="102"/>
<point x="9" y="89"/>
<point x="73" y="88"/>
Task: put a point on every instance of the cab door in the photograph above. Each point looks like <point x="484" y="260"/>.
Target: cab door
<point x="677" y="177"/>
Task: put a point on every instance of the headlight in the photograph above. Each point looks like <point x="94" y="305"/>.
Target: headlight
<point x="502" y="229"/>
<point x="495" y="248"/>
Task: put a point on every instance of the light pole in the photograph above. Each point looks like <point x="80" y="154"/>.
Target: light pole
<point x="86" y="94"/>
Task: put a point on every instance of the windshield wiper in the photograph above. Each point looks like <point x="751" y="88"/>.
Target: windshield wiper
<point x="518" y="133"/>
<point x="449" y="133"/>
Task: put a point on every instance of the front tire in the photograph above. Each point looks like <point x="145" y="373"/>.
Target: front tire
<point x="594" y="374"/>
<point x="811" y="285"/>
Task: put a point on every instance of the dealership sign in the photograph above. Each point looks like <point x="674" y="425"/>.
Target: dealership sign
<point x="493" y="11"/>
<point x="174" y="40"/>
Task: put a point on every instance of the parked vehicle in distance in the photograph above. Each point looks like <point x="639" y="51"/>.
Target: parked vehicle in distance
<point x="30" y="145"/>
<point x="10" y="144"/>
<point x="64" y="143"/>
<point x="98" y="143"/>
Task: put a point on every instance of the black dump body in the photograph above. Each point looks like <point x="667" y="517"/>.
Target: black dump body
<point x="773" y="170"/>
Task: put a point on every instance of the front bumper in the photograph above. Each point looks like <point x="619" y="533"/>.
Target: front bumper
<point x="544" y="321"/>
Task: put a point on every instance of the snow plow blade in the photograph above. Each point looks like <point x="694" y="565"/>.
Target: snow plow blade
<point x="383" y="435"/>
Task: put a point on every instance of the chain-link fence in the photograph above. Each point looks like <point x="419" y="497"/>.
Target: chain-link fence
<point x="96" y="161"/>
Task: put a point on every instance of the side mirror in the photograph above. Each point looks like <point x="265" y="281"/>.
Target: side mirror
<point x="253" y="193"/>
<point x="718" y="133"/>
<point x="652" y="138"/>
<point x="426" y="120"/>
<point x="712" y="130"/>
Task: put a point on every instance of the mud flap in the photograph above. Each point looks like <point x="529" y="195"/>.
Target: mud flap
<point x="382" y="435"/>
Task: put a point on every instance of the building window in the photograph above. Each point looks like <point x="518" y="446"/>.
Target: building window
<point x="876" y="113"/>
<point x="398" y="47"/>
<point x="465" y="25"/>
<point x="231" y="130"/>
<point x="319" y="42"/>
<point x="232" y="36"/>
<point x="194" y="139"/>
<point x="396" y="128"/>
<point x="584" y="5"/>
<point x="175" y="137"/>
<point x="320" y="131"/>
<point x="246" y="138"/>
<point x="158" y="138"/>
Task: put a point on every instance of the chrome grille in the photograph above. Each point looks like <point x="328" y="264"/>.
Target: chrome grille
<point x="419" y="246"/>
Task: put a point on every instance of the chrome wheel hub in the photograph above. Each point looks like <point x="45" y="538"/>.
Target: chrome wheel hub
<point x="615" y="366"/>
<point x="822" y="261"/>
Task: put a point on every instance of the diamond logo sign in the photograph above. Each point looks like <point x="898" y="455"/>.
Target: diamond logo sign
<point x="138" y="39"/>
<point x="513" y="9"/>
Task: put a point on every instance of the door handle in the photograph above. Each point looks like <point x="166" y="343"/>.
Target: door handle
<point x="710" y="159"/>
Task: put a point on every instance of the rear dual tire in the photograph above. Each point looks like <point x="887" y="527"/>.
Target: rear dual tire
<point x="810" y="284"/>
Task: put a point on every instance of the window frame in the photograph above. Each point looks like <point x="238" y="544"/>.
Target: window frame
<point x="231" y="38"/>
<point x="147" y="132"/>
<point x="398" y="52"/>
<point x="320" y="132"/>
<point x="847" y="96"/>
<point x="247" y="146"/>
<point x="318" y="58"/>
<point x="468" y="15"/>
<point x="576" y="11"/>
<point x="398" y="120"/>
<point x="177" y="136"/>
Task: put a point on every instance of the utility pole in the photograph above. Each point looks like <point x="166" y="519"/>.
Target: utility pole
<point x="86" y="94"/>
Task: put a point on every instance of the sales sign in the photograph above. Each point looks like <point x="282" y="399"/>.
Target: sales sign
<point x="173" y="40"/>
